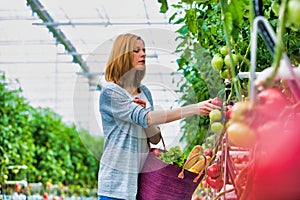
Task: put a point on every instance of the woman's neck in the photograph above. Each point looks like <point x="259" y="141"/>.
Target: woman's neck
<point x="132" y="90"/>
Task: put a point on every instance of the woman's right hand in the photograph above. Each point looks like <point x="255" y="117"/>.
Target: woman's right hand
<point x="205" y="107"/>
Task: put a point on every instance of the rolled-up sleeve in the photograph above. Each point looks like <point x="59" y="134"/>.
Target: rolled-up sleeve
<point x="115" y="102"/>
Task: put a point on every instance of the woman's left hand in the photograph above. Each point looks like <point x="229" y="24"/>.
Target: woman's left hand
<point x="140" y="102"/>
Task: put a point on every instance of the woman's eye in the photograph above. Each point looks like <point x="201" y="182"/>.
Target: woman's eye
<point x="135" y="51"/>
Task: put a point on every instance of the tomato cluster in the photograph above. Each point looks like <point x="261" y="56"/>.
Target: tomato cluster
<point x="268" y="126"/>
<point x="215" y="117"/>
<point x="221" y="62"/>
<point x="214" y="176"/>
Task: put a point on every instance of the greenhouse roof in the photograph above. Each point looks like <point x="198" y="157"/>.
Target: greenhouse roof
<point x="57" y="49"/>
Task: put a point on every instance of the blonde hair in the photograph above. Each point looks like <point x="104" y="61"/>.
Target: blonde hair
<point x="121" y="57"/>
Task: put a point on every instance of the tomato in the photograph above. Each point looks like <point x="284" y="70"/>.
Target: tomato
<point x="228" y="111"/>
<point x="217" y="62"/>
<point x="156" y="152"/>
<point x="227" y="60"/>
<point x="217" y="127"/>
<point x="241" y="135"/>
<point x="224" y="73"/>
<point x="197" y="198"/>
<point x="241" y="111"/>
<point x="293" y="12"/>
<point x="45" y="196"/>
<point x="17" y="187"/>
<point x="270" y="103"/>
<point x="224" y="50"/>
<point x="217" y="101"/>
<point x="276" y="174"/>
<point x="215" y="183"/>
<point x="208" y="152"/>
<point x="213" y="170"/>
<point x="215" y="115"/>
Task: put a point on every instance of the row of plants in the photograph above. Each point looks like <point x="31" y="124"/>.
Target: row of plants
<point x="215" y="44"/>
<point x="37" y="145"/>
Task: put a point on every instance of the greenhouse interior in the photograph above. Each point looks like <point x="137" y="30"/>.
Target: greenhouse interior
<point x="224" y="78"/>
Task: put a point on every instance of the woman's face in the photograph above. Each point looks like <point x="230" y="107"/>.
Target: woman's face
<point x="139" y="55"/>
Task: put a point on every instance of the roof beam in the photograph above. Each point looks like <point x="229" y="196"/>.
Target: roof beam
<point x="98" y="23"/>
<point x="38" y="8"/>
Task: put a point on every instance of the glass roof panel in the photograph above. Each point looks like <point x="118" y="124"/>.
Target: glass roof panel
<point x="49" y="78"/>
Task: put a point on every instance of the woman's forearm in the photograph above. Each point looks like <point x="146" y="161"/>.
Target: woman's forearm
<point x="165" y="116"/>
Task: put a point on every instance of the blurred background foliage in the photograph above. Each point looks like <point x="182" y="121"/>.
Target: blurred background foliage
<point x="54" y="152"/>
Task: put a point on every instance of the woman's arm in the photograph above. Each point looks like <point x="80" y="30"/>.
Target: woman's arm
<point x="153" y="134"/>
<point x="165" y="116"/>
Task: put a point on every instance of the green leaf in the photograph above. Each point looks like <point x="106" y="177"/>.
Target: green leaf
<point x="164" y="6"/>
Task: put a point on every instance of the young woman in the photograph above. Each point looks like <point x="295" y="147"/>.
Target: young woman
<point x="129" y="120"/>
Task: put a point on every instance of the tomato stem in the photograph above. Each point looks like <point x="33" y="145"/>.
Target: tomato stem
<point x="279" y="46"/>
<point x="234" y="78"/>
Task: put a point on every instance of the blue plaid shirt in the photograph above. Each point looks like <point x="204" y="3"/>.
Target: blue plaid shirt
<point x="125" y="143"/>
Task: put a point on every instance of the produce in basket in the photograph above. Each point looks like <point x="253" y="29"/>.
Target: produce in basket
<point x="174" y="156"/>
<point x="203" y="162"/>
<point x="193" y="160"/>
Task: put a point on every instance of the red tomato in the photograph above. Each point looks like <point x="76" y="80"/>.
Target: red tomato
<point x="208" y="152"/>
<point x="276" y="174"/>
<point x="45" y="196"/>
<point x="217" y="101"/>
<point x="17" y="187"/>
<point x="156" y="152"/>
<point x="215" y="183"/>
<point x="228" y="111"/>
<point x="270" y="103"/>
<point x="214" y="170"/>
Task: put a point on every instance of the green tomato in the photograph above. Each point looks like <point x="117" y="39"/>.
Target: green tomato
<point x="15" y="170"/>
<point x="293" y="12"/>
<point x="5" y="177"/>
<point x="215" y="115"/>
<point x="224" y="50"/>
<point x="224" y="74"/>
<point x="210" y="139"/>
<point x="217" y="62"/>
<point x="217" y="127"/>
<point x="227" y="60"/>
